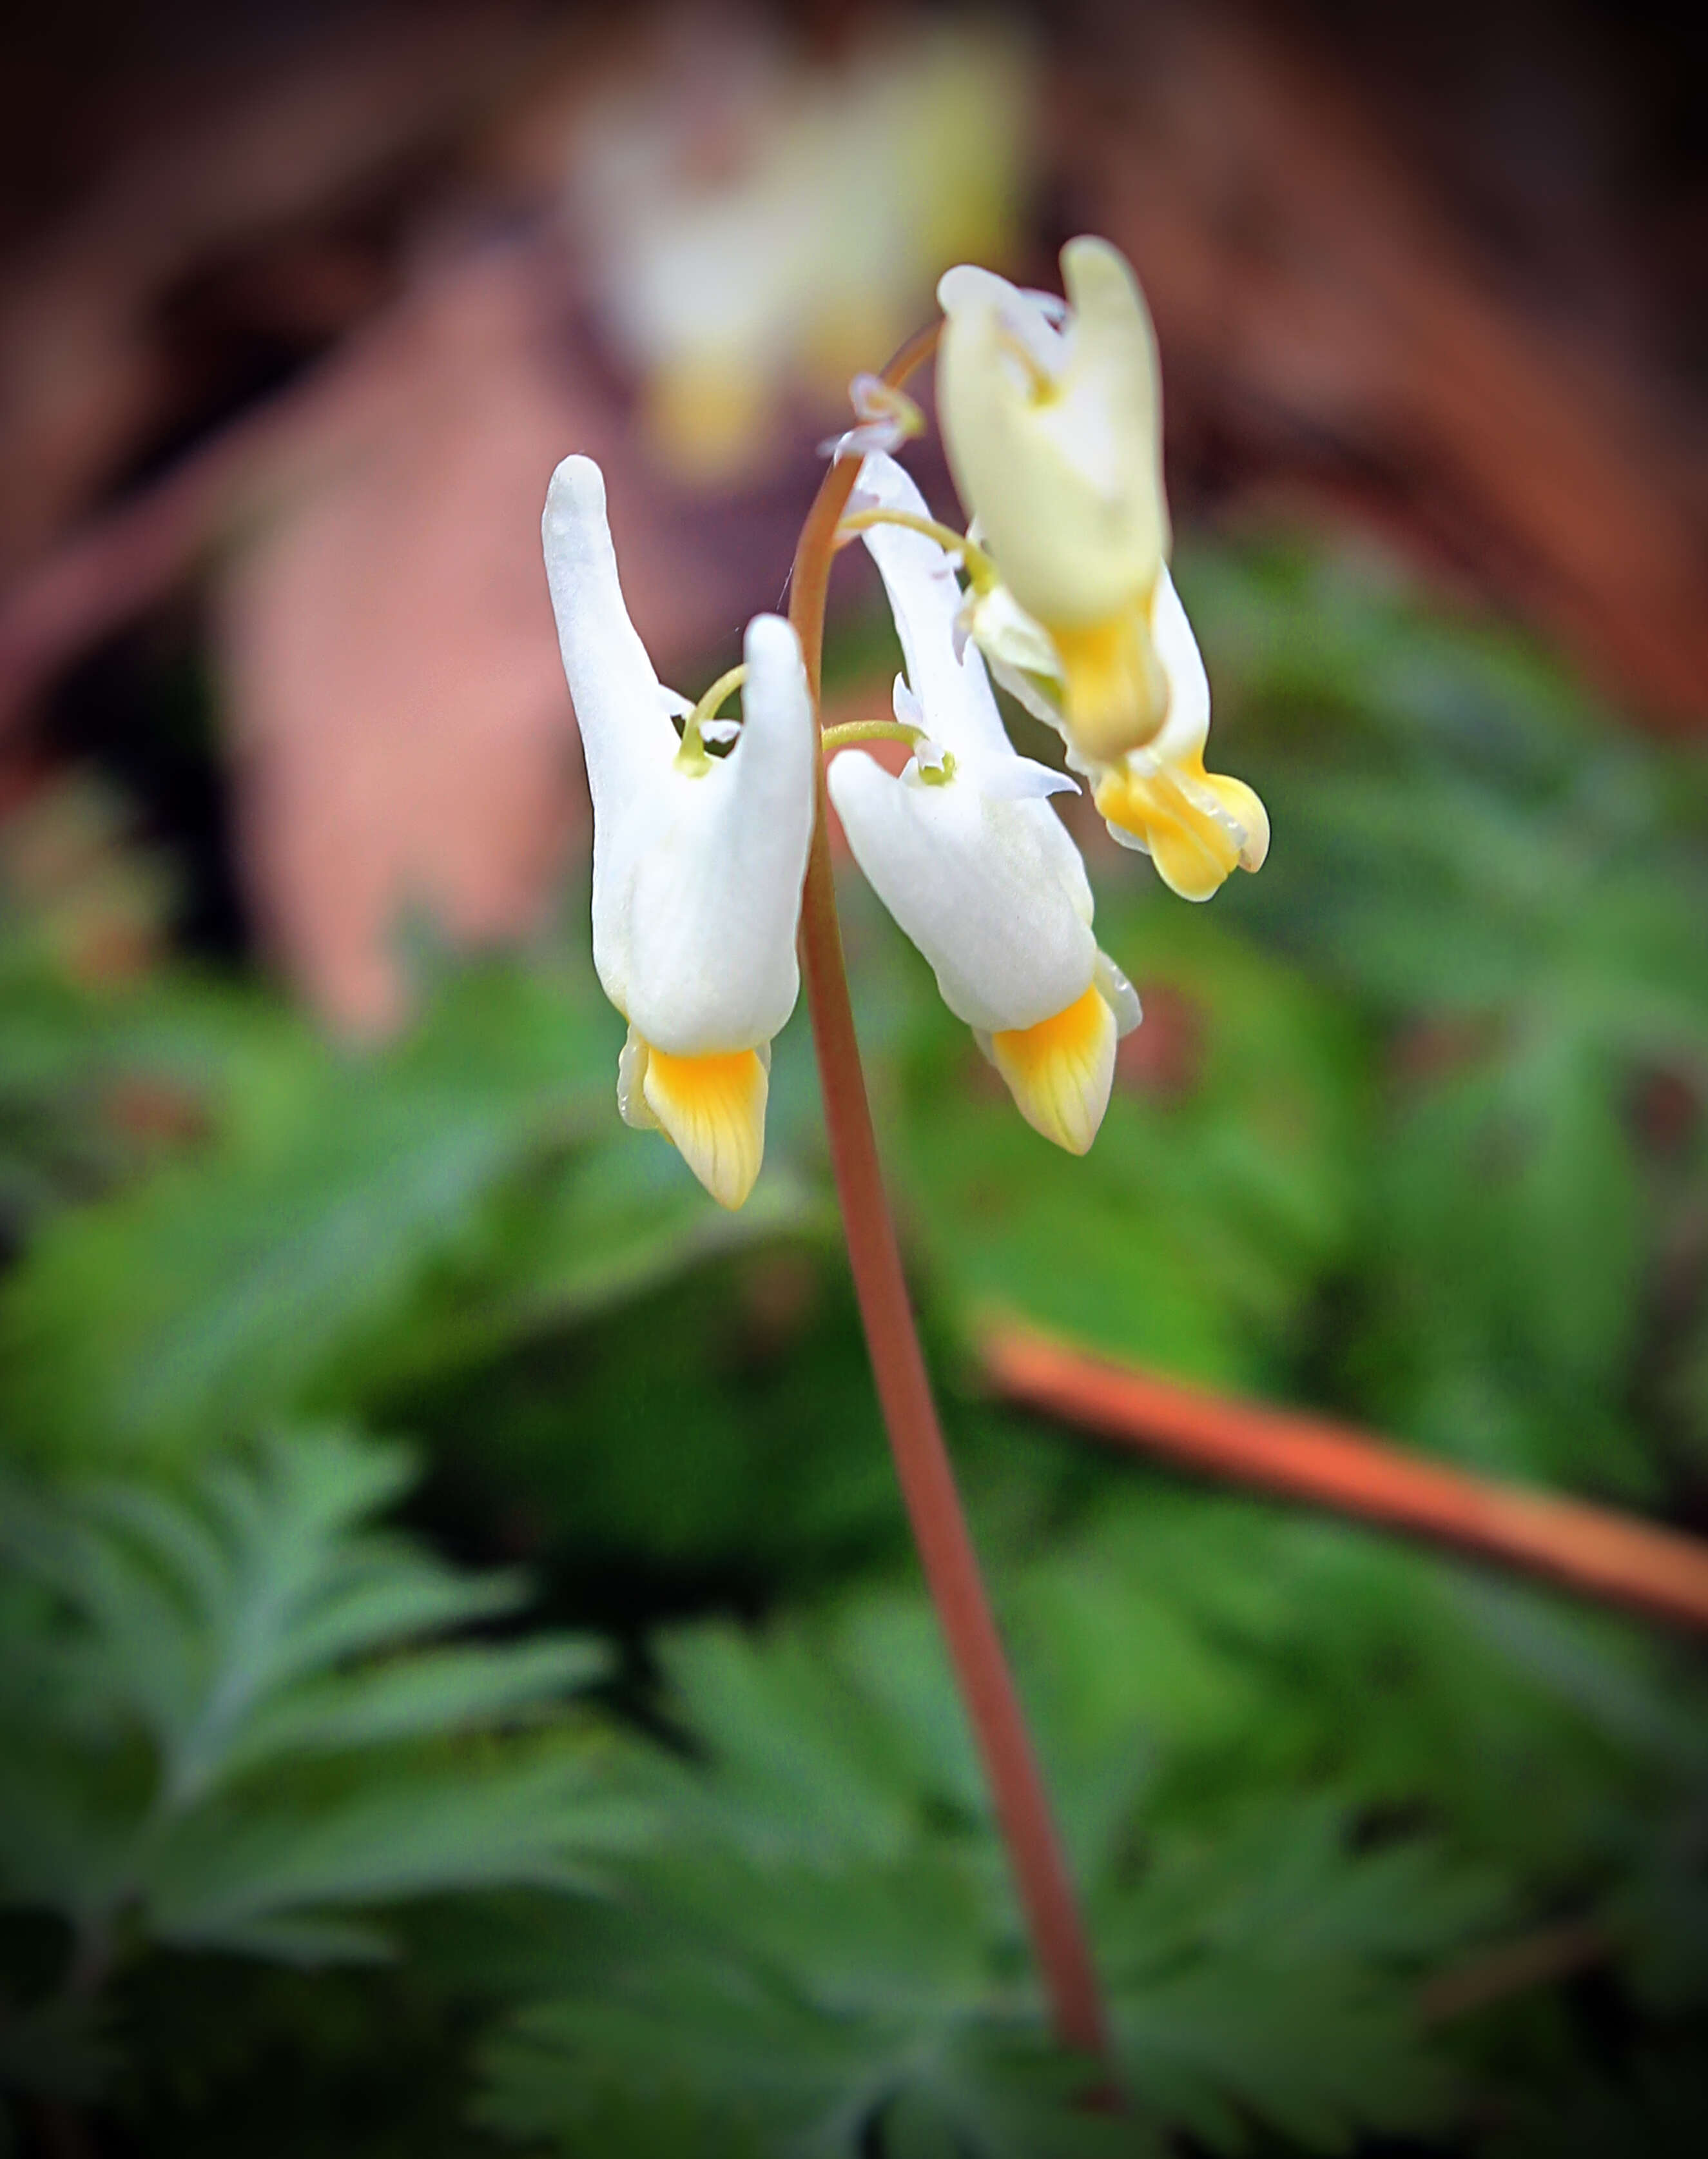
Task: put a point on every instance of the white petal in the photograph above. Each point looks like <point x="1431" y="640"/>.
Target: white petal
<point x="621" y="707"/>
<point x="887" y="416"/>
<point x="1019" y="652"/>
<point x="874" y="399"/>
<point x="714" y="896"/>
<point x="1019" y="780"/>
<point x="1187" y="726"/>
<point x="967" y="287"/>
<point x="1130" y="841"/>
<point x="992" y="893"/>
<point x="1027" y="692"/>
<point x="632" y="1105"/>
<point x="1037" y="330"/>
<point x="925" y="599"/>
<point x="1068" y="486"/>
<point x="1118" y="993"/>
<point x="1006" y="632"/>
<point x="869" y="438"/>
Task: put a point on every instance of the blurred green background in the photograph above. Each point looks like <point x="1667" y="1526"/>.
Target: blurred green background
<point x="464" y="1682"/>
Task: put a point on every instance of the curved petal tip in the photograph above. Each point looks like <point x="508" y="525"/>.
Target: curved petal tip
<point x="577" y="491"/>
<point x="712" y="1109"/>
<point x="771" y="642"/>
<point x="1060" y="1072"/>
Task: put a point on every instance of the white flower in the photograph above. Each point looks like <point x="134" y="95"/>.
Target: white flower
<point x="697" y="860"/>
<point x="972" y="862"/>
<point x="1051" y="420"/>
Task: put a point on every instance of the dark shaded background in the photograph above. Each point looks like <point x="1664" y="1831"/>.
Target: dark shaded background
<point x="306" y="1144"/>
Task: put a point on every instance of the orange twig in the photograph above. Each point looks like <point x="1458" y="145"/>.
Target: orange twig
<point x="1658" y="1572"/>
<point x="1514" y="1967"/>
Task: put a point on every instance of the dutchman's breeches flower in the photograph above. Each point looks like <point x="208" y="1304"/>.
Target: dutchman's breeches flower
<point x="969" y="857"/>
<point x="1197" y="826"/>
<point x="1051" y="420"/>
<point x="698" y="858"/>
<point x="1051" y="415"/>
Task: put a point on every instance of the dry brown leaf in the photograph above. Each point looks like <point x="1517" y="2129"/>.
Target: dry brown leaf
<point x="197" y="164"/>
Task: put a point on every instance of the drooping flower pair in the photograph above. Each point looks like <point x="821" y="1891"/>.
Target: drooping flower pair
<point x="700" y="840"/>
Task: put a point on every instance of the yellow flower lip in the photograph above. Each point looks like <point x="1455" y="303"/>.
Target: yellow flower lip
<point x="711" y="1109"/>
<point x="1060" y="1072"/>
<point x="1114" y="693"/>
<point x="1197" y="827"/>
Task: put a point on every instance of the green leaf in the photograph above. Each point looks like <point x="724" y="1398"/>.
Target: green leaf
<point x="1218" y="1192"/>
<point x="250" y="1741"/>
<point x="1516" y="888"/>
<point x="821" y="1953"/>
<point x="232" y="1285"/>
<point x="429" y="1692"/>
<point x="1257" y="1981"/>
<point x="249" y="1871"/>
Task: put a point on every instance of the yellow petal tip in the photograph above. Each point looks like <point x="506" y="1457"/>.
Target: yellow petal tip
<point x="712" y="1109"/>
<point x="1060" y="1071"/>
<point x="1198" y="827"/>
<point x="1115" y="694"/>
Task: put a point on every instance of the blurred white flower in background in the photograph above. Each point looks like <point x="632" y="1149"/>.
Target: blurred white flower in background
<point x="759" y="226"/>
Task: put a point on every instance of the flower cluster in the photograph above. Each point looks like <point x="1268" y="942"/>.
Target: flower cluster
<point x="703" y="825"/>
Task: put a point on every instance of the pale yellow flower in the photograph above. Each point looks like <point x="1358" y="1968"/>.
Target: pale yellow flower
<point x="1051" y="415"/>
<point x="1052" y="424"/>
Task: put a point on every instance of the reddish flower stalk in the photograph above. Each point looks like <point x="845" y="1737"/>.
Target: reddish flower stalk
<point x="921" y="1461"/>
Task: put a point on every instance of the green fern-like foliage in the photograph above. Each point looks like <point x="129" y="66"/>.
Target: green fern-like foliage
<point x="340" y="1223"/>
<point x="230" y="1722"/>
<point x="1385" y="1140"/>
<point x="1516" y="889"/>
<point x="823" y="1956"/>
<point x="1220" y="1192"/>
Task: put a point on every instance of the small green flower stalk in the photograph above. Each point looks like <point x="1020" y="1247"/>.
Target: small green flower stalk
<point x="712" y="865"/>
